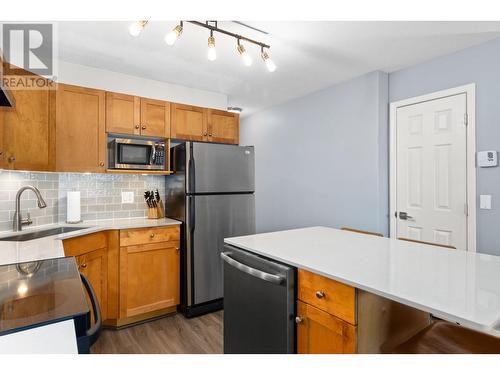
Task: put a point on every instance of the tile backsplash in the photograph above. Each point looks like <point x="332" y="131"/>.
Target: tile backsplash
<point x="100" y="195"/>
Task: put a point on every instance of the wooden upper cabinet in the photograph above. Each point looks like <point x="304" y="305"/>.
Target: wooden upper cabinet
<point x="223" y="127"/>
<point x="80" y="129"/>
<point x="188" y="122"/>
<point x="123" y="113"/>
<point x="127" y="114"/>
<point x="28" y="132"/>
<point x="155" y="118"/>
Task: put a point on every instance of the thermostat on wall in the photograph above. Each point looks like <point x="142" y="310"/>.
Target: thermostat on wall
<point x="487" y="159"/>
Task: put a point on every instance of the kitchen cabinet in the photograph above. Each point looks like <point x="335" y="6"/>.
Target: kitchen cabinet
<point x="188" y="123"/>
<point x="28" y="131"/>
<point x="149" y="271"/>
<point x="321" y="333"/>
<point x="326" y="315"/>
<point x="127" y="114"/>
<point x="91" y="256"/>
<point x="223" y="127"/>
<point x="80" y="131"/>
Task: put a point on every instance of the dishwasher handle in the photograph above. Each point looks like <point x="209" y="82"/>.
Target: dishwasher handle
<point x="275" y="279"/>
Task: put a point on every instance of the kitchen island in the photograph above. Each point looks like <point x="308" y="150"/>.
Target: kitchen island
<point x="455" y="285"/>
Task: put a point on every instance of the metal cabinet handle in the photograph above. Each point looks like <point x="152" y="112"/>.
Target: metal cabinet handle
<point x="152" y="235"/>
<point x="299" y="319"/>
<point x="143" y="127"/>
<point x="101" y="164"/>
<point x="84" y="265"/>
<point x="320" y="294"/>
<point x="210" y="134"/>
<point x="205" y="134"/>
<point x="275" y="279"/>
<point x="11" y="159"/>
<point x="137" y="126"/>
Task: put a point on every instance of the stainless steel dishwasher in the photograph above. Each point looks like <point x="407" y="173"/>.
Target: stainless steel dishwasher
<point x="259" y="304"/>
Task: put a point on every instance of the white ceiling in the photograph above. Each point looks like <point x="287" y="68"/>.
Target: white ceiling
<point x="309" y="55"/>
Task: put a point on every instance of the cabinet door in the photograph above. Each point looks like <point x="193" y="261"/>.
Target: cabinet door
<point x="188" y="122"/>
<point x="28" y="131"/>
<point x="223" y="127"/>
<point x="122" y="113"/>
<point x="149" y="278"/>
<point x="94" y="266"/>
<point x="322" y="333"/>
<point x="81" y="137"/>
<point x="155" y="118"/>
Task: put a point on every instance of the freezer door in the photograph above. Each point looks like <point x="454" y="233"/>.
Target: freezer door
<point x="218" y="168"/>
<point x="215" y="217"/>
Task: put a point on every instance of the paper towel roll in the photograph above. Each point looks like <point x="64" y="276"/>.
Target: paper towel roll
<point x="73" y="207"/>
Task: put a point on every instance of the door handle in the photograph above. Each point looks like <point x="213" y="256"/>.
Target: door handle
<point x="405" y="216"/>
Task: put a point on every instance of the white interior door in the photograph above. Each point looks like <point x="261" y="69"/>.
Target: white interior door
<point x="431" y="171"/>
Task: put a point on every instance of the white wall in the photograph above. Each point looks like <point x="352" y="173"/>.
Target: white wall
<point x="86" y="76"/>
<point x="322" y="159"/>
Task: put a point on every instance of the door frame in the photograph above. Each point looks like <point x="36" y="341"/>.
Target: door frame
<point x="470" y="91"/>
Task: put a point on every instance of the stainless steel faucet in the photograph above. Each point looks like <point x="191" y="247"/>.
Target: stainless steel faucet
<point x="18" y="220"/>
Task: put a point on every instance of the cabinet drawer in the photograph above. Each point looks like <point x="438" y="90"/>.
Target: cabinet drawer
<point x="329" y="295"/>
<point x="80" y="245"/>
<point x="149" y="235"/>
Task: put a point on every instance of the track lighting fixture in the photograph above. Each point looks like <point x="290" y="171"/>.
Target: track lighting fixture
<point x="211" y="54"/>
<point x="247" y="59"/>
<point x="270" y="65"/>
<point x="172" y="37"/>
<point x="135" y="28"/>
<point x="175" y="34"/>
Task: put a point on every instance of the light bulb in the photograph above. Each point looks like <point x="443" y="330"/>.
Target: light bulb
<point x="211" y="53"/>
<point x="135" y="28"/>
<point x="172" y="36"/>
<point x="271" y="66"/>
<point x="247" y="59"/>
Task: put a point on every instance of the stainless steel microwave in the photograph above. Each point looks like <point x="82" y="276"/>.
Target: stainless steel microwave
<point x="127" y="153"/>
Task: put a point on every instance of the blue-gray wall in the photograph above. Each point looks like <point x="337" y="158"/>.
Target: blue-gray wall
<point x="322" y="159"/>
<point x="479" y="65"/>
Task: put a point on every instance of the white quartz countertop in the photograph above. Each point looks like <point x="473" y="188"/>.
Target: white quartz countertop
<point x="456" y="285"/>
<point x="51" y="247"/>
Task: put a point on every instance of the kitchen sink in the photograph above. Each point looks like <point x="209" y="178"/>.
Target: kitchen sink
<point x="40" y="234"/>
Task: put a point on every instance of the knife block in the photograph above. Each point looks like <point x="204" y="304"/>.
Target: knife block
<point x="155" y="213"/>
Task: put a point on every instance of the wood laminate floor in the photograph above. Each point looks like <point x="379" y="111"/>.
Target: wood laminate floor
<point x="171" y="335"/>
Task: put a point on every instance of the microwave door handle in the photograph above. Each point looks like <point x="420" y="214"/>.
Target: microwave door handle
<point x="153" y="155"/>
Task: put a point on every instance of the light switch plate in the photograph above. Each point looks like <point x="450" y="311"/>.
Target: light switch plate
<point x="485" y="202"/>
<point x="127" y="197"/>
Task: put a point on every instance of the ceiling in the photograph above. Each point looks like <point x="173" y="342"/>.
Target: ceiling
<point x="309" y="55"/>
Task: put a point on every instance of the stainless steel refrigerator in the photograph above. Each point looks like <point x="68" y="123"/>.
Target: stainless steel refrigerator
<point x="212" y="193"/>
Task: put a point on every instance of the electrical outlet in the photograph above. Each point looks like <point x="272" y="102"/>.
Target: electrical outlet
<point x="127" y="197"/>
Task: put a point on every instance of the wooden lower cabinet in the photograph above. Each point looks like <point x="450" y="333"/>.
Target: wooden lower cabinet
<point x="94" y="266"/>
<point x="133" y="282"/>
<point x="326" y="316"/>
<point x="149" y="278"/>
<point x="321" y="333"/>
<point x="91" y="252"/>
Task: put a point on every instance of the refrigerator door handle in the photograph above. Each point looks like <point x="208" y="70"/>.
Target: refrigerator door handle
<point x="192" y="213"/>
<point x="191" y="166"/>
<point x="275" y="279"/>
